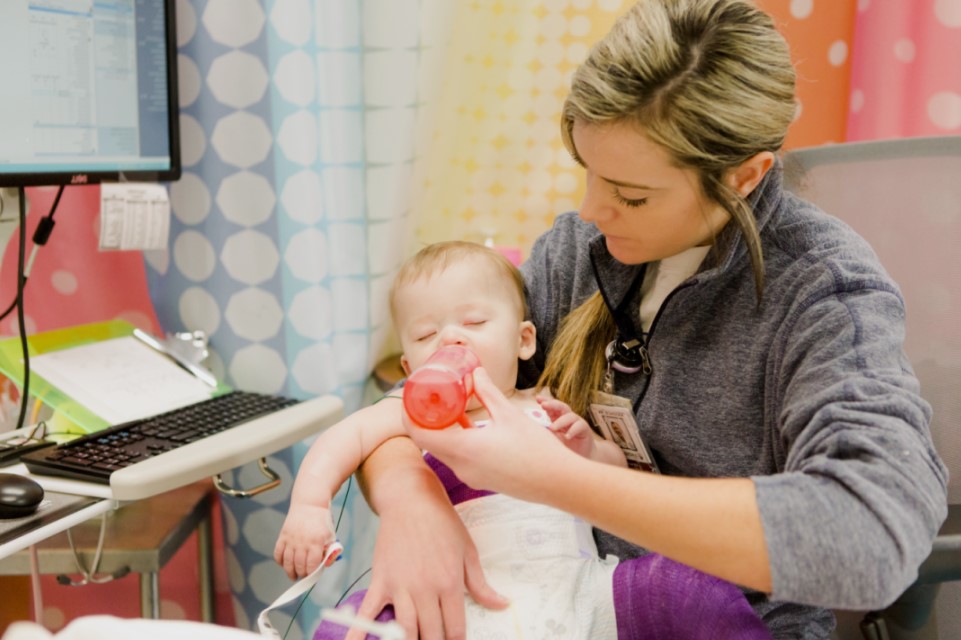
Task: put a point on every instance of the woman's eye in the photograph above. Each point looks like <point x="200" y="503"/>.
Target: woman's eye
<point x="627" y="202"/>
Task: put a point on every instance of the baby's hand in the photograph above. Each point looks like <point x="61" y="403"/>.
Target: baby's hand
<point x="570" y="428"/>
<point x="303" y="540"/>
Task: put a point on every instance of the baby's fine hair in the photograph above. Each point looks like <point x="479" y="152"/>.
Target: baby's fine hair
<point x="438" y="256"/>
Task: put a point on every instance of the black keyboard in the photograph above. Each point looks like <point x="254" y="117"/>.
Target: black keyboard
<point x="94" y="457"/>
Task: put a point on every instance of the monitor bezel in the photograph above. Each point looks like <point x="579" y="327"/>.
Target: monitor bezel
<point x="56" y="178"/>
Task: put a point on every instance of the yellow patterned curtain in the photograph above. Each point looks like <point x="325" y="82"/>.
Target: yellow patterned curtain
<point x="492" y="165"/>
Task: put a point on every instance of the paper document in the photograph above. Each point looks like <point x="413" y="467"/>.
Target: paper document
<point x="134" y="216"/>
<point x="120" y="379"/>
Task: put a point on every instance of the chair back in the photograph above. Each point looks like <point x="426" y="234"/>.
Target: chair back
<point x="904" y="197"/>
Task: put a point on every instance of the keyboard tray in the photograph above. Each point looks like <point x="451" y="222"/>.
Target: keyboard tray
<point x="163" y="464"/>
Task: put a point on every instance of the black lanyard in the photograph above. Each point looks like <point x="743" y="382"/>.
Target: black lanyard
<point x="626" y="352"/>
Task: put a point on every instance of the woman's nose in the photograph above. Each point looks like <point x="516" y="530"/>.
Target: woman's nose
<point x="594" y="207"/>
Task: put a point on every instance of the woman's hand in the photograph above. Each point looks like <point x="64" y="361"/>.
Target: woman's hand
<point x="512" y="455"/>
<point x="424" y="556"/>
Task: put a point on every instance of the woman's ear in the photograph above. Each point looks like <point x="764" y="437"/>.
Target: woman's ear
<point x="745" y="177"/>
<point x="528" y="339"/>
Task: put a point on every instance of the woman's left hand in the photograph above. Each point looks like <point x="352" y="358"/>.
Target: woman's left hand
<point x="511" y="455"/>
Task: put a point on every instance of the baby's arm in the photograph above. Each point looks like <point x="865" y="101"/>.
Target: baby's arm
<point x="574" y="432"/>
<point x="336" y="453"/>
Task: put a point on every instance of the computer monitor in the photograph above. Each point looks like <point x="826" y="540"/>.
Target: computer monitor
<point x="88" y="92"/>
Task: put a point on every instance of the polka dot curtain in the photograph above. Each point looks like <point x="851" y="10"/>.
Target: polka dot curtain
<point x="298" y="133"/>
<point x="904" y="71"/>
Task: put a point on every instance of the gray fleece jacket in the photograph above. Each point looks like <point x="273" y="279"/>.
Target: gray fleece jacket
<point x="809" y="394"/>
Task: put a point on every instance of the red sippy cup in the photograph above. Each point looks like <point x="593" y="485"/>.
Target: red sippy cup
<point x="435" y="395"/>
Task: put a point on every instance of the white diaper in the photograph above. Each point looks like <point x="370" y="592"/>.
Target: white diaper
<point x="546" y="563"/>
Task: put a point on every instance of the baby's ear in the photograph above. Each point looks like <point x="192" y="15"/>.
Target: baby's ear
<point x="528" y="339"/>
<point x="404" y="364"/>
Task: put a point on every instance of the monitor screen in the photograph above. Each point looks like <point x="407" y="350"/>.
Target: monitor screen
<point x="88" y="92"/>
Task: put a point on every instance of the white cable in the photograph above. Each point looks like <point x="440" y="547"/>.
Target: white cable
<point x="35" y="585"/>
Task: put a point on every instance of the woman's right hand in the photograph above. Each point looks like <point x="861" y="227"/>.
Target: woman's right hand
<point x="424" y="556"/>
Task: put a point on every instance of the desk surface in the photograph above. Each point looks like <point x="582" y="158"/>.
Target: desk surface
<point x="142" y="535"/>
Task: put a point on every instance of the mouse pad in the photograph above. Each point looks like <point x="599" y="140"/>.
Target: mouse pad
<point x="54" y="506"/>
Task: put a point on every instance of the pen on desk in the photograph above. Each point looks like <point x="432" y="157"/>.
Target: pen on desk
<point x="204" y="375"/>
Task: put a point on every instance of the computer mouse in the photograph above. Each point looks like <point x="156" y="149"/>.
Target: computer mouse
<point x="19" y="495"/>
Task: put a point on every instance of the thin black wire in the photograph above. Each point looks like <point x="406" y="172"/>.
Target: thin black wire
<point x="53" y="209"/>
<point x="21" y="323"/>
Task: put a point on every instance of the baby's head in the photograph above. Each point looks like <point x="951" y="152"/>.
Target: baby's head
<point x="462" y="293"/>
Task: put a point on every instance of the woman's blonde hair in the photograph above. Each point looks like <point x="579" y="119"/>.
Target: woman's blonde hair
<point x="710" y="81"/>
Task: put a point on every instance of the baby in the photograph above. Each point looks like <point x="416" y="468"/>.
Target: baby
<point x="544" y="560"/>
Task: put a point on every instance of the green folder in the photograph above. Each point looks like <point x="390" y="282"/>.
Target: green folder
<point x="80" y="419"/>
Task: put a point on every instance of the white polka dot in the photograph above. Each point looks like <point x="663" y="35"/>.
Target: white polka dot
<point x="582" y="4"/>
<point x="292" y="20"/>
<point x="246" y="198"/>
<point x="948" y="12"/>
<point x="564" y="204"/>
<point x="610" y="5"/>
<point x="186" y="22"/>
<point x="170" y="610"/>
<point x="241" y="139"/>
<point x="904" y="50"/>
<point x="838" y="53"/>
<point x="262" y="526"/>
<point x="254" y="314"/>
<point x="309" y="313"/>
<point x="553" y="26"/>
<point x="258" y="368"/>
<point x="53" y="618"/>
<point x="241" y="620"/>
<point x="199" y="311"/>
<point x="237" y="79"/>
<point x="188" y="80"/>
<point x="190" y="199"/>
<point x="294" y="77"/>
<point x="139" y="319"/>
<point x="857" y="100"/>
<point x="297" y="137"/>
<point x="158" y="260"/>
<point x="312" y="371"/>
<point x="302" y="197"/>
<point x="193" y="142"/>
<point x="231" y="530"/>
<point x="566" y="182"/>
<point x="250" y="257"/>
<point x="236" y="575"/>
<point x="580" y="26"/>
<point x="944" y="110"/>
<point x="264" y="578"/>
<point x="194" y="257"/>
<point x="306" y="255"/>
<point x="801" y="9"/>
<point x="577" y="52"/>
<point x="64" y="282"/>
<point x="233" y="22"/>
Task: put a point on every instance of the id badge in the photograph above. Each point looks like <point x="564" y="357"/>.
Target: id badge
<point x="613" y="416"/>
